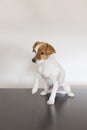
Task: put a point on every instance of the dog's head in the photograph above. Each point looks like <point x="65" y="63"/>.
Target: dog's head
<point x="42" y="51"/>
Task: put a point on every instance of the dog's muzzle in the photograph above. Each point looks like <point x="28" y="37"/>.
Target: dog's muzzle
<point x="34" y="60"/>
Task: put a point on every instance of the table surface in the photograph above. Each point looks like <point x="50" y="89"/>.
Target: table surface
<point x="20" y="110"/>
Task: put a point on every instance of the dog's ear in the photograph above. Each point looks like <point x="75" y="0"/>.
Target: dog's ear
<point x="36" y="44"/>
<point x="50" y="49"/>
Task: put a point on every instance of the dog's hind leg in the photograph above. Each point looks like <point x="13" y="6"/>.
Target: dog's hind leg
<point x="45" y="91"/>
<point x="68" y="90"/>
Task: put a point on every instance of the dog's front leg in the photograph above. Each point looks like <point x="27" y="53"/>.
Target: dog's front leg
<point x="36" y="84"/>
<point x="53" y="93"/>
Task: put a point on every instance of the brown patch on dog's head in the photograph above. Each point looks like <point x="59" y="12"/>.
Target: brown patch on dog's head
<point x="50" y="49"/>
<point x="44" y="50"/>
<point x="35" y="45"/>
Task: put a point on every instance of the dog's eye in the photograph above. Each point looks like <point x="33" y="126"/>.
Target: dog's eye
<point x="34" y="51"/>
<point x="42" y="53"/>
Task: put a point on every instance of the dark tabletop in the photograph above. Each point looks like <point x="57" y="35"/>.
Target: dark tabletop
<point x="20" y="110"/>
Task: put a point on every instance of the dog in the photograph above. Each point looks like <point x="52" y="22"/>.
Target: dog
<point x="51" y="71"/>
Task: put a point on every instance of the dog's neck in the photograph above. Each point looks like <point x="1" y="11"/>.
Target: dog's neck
<point x="48" y="61"/>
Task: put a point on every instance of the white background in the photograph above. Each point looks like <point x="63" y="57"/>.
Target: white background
<point x="63" y="23"/>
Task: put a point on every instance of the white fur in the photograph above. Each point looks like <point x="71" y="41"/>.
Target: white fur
<point x="53" y="74"/>
<point x="37" y="47"/>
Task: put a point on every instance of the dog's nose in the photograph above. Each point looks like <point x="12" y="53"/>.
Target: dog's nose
<point x="34" y="60"/>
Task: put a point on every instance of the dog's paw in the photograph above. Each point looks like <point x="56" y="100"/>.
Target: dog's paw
<point x="50" y="102"/>
<point x="70" y="94"/>
<point x="43" y="93"/>
<point x="34" y="91"/>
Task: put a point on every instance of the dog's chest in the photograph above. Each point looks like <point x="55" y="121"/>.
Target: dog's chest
<point x="49" y="68"/>
<point x="46" y="75"/>
<point x="45" y="70"/>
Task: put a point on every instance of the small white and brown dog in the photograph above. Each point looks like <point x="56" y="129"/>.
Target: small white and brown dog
<point x="51" y="71"/>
